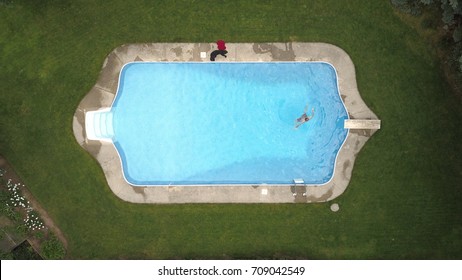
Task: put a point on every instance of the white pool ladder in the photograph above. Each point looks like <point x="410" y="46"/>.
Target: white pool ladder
<point x="299" y="183"/>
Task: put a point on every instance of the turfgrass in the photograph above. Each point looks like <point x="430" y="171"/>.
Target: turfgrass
<point x="404" y="197"/>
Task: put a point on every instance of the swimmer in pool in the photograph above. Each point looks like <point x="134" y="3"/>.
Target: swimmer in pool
<point x="304" y="118"/>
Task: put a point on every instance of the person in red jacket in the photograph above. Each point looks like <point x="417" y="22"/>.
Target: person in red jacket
<point x="221" y="50"/>
<point x="221" y="45"/>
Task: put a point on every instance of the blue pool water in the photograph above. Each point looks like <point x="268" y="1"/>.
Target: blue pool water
<point x="227" y="123"/>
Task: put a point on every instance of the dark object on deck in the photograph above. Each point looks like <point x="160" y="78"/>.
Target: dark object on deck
<point x="217" y="52"/>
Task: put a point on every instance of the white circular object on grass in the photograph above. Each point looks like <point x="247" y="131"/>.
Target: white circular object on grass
<point x="334" y="207"/>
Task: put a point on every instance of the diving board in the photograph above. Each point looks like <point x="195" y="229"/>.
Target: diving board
<point x="362" y="124"/>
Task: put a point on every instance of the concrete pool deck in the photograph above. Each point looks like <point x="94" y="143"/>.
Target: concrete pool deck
<point x="103" y="94"/>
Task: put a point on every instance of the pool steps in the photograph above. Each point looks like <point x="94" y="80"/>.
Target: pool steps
<point x="98" y="125"/>
<point x="361" y="124"/>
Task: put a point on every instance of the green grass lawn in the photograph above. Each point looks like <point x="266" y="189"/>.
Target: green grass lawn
<point x="404" y="199"/>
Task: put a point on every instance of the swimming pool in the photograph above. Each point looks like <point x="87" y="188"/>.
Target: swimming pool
<point x="226" y="123"/>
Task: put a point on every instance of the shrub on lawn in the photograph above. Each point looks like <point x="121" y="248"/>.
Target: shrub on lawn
<point x="53" y="249"/>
